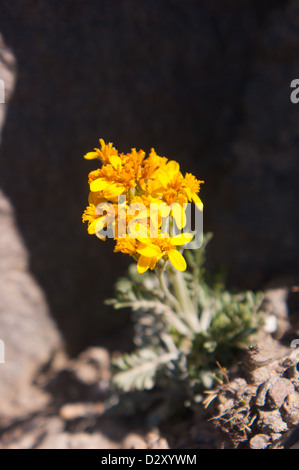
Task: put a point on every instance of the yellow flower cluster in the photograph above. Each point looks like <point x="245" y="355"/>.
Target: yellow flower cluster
<point x="128" y="182"/>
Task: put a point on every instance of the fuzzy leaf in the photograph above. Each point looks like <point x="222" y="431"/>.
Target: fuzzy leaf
<point x="139" y="369"/>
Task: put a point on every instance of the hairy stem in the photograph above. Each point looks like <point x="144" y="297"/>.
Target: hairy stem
<point x="171" y="299"/>
<point x="183" y="296"/>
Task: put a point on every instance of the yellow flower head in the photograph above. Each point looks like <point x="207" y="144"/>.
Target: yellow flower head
<point x="154" y="188"/>
<point x="126" y="245"/>
<point x="152" y="250"/>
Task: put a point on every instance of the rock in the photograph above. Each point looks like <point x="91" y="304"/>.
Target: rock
<point x="77" y="385"/>
<point x="275" y="305"/>
<point x="259" y="441"/>
<point x="155" y="441"/>
<point x="276" y="438"/>
<point x="267" y="352"/>
<point x="152" y="440"/>
<point x="134" y="441"/>
<point x="77" y="441"/>
<point x="270" y="325"/>
<point x="264" y="389"/>
<point x="81" y="410"/>
<point x="279" y="391"/>
<point x="266" y="403"/>
<point x="271" y="421"/>
<point x="275" y="302"/>
<point x="26" y="328"/>
<point x="260" y="375"/>
<point x="290" y="409"/>
<point x="92" y="367"/>
<point x="28" y="434"/>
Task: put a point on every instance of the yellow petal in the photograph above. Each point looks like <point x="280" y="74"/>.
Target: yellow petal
<point x="179" y="215"/>
<point x="142" y="229"/>
<point x="164" y="209"/>
<point x="163" y="179"/>
<point x="142" y="214"/>
<point x="101" y="237"/>
<point x="199" y="206"/>
<point x="91" y="227"/>
<point x="113" y="190"/>
<point x="153" y="263"/>
<point x="91" y="155"/>
<point x="172" y="167"/>
<point x="115" y="160"/>
<point x="101" y="222"/>
<point x="177" y="260"/>
<point x="181" y="239"/>
<point x="143" y="264"/>
<point x="149" y="251"/>
<point x="198" y="201"/>
<point x="98" y="185"/>
<point x="189" y="193"/>
<point x="137" y="229"/>
<point x="94" y="198"/>
<point x="144" y="240"/>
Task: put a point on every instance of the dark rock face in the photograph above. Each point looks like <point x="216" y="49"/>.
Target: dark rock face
<point x="206" y="83"/>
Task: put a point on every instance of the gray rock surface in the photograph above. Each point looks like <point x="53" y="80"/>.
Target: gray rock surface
<point x="26" y="328"/>
<point x="79" y="414"/>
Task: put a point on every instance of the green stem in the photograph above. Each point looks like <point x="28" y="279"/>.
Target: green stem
<point x="183" y="295"/>
<point x="172" y="300"/>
